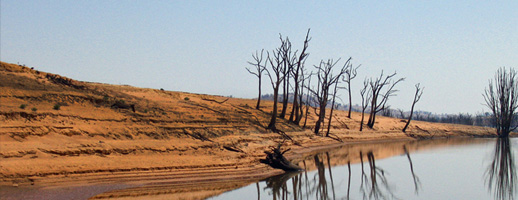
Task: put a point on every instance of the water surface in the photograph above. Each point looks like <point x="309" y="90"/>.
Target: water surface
<point x="431" y="169"/>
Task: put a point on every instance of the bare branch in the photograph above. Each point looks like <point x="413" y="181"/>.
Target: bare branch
<point x="501" y="98"/>
<point x="417" y="97"/>
<point x="379" y="99"/>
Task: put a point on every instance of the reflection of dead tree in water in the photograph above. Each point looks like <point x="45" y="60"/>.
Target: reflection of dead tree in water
<point x="296" y="183"/>
<point x="349" y="180"/>
<point x="258" y="191"/>
<point x="306" y="178"/>
<point x="501" y="174"/>
<point x="321" y="192"/>
<point x="278" y="185"/>
<point x="417" y="183"/>
<point x="330" y="175"/>
<point x="377" y="176"/>
<point x="364" y="178"/>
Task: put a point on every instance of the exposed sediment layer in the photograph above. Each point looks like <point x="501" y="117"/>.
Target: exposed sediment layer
<point x="55" y="131"/>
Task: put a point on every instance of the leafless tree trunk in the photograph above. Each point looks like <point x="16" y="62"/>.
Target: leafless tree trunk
<point x="417" y="97"/>
<point x="376" y="88"/>
<point x="285" y="95"/>
<point x="325" y="79"/>
<point x="307" y="103"/>
<point x="259" y="69"/>
<point x="366" y="96"/>
<point x="301" y="103"/>
<point x="288" y="62"/>
<point x="350" y="74"/>
<point x="332" y="108"/>
<point x="276" y="78"/>
<point x="298" y="78"/>
<point x="502" y="98"/>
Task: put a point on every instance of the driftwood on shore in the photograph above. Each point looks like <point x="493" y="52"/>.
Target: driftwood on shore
<point x="275" y="158"/>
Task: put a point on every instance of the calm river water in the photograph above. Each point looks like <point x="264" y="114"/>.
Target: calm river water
<point x="430" y="169"/>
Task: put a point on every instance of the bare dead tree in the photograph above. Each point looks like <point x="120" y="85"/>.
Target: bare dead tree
<point x="307" y="103"/>
<point x="298" y="78"/>
<point x="300" y="104"/>
<point x="417" y="97"/>
<point x="332" y="108"/>
<point x="502" y="98"/>
<point x="289" y="60"/>
<point x="325" y="80"/>
<point x="276" y="77"/>
<point x="380" y="99"/>
<point x="366" y="97"/>
<point x="258" y="71"/>
<point x="350" y="74"/>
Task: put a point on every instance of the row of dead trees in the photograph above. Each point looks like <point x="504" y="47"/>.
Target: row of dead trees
<point x="286" y="70"/>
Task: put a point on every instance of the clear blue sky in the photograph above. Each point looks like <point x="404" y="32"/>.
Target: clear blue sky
<point x="451" y="47"/>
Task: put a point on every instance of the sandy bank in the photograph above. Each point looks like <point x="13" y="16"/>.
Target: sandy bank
<point x="173" y="142"/>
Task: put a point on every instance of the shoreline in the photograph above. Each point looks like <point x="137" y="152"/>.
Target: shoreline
<point x="56" y="131"/>
<point x="201" y="181"/>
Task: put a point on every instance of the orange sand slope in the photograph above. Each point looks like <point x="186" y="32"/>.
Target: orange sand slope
<point x="53" y="128"/>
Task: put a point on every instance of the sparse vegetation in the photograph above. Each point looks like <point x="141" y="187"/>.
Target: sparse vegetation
<point x="23" y="106"/>
<point x="57" y="106"/>
<point x="34" y="109"/>
<point x="186" y="98"/>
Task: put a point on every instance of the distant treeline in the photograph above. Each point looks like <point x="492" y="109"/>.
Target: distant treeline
<point x="479" y="119"/>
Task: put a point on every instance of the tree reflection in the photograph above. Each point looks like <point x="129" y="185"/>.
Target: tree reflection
<point x="321" y="185"/>
<point x="417" y="183"/>
<point x="278" y="186"/>
<point x="375" y="185"/>
<point x="501" y="173"/>
<point x="349" y="179"/>
<point x="318" y="186"/>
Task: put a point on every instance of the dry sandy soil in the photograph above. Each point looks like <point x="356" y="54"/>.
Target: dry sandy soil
<point x="176" y="144"/>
